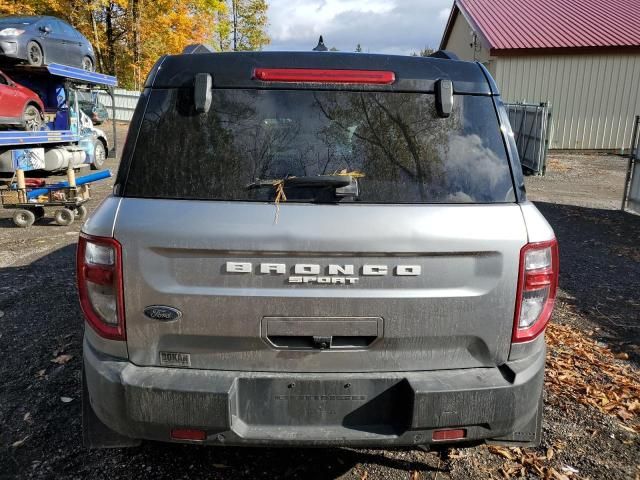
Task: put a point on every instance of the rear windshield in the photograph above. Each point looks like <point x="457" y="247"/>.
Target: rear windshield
<point x="395" y="145"/>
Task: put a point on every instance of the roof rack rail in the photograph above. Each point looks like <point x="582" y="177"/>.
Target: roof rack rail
<point x="445" y="54"/>
<point x="197" y="48"/>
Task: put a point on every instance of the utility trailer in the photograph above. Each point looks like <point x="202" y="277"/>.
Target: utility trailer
<point x="67" y="141"/>
<point x="68" y="198"/>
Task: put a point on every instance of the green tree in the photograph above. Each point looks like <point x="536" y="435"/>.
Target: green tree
<point x="359" y="48"/>
<point x="242" y="26"/>
<point x="425" y="52"/>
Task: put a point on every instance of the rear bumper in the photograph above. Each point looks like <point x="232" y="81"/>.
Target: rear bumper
<point x="254" y="408"/>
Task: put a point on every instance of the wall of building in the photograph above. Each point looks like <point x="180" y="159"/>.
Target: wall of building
<point x="462" y="42"/>
<point x="594" y="96"/>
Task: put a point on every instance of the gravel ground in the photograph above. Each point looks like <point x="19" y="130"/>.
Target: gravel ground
<point x="40" y="426"/>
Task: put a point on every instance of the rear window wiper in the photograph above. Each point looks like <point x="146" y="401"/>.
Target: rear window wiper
<point x="315" y="181"/>
<point x="345" y="184"/>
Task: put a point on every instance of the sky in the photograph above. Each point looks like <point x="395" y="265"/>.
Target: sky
<point x="380" y="26"/>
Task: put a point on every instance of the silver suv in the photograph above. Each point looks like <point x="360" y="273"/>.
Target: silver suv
<point x="316" y="249"/>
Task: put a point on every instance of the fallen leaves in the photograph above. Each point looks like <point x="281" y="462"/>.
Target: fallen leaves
<point x="521" y="461"/>
<point x="502" y="451"/>
<point x="588" y="372"/>
<point x="549" y="453"/>
<point x="621" y="356"/>
<point x="583" y="370"/>
<point x="62" y="359"/>
<point x="19" y="443"/>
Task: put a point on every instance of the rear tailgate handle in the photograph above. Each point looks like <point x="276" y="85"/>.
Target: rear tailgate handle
<point x="321" y="333"/>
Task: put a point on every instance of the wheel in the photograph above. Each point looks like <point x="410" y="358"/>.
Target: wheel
<point x="81" y="212"/>
<point x="32" y="118"/>
<point x="99" y="155"/>
<point x="23" y="218"/>
<point x="64" y="216"/>
<point x="87" y="64"/>
<point x="38" y="212"/>
<point x="35" y="56"/>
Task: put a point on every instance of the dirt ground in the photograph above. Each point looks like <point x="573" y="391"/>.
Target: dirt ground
<point x="593" y="382"/>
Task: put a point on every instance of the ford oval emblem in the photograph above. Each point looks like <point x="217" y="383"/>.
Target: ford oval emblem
<point x="162" y="313"/>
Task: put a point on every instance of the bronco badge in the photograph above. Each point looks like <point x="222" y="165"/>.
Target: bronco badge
<point x="330" y="274"/>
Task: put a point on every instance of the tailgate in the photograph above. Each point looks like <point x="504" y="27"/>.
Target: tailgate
<point x="328" y="288"/>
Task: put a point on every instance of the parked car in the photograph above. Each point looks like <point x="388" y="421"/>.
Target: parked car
<point x="41" y="40"/>
<point x="299" y="254"/>
<point x="92" y="107"/>
<point x="19" y="106"/>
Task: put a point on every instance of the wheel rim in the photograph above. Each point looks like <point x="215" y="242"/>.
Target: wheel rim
<point x="87" y="64"/>
<point x="22" y="219"/>
<point x="32" y="118"/>
<point x="65" y="217"/>
<point x="100" y="154"/>
<point x="35" y="55"/>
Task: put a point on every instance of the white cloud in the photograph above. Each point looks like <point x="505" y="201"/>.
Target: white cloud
<point x="380" y="26"/>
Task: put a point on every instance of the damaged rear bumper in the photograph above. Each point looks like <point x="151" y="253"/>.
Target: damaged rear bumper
<point x="332" y="409"/>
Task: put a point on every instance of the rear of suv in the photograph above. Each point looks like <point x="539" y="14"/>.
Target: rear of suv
<point x="316" y="249"/>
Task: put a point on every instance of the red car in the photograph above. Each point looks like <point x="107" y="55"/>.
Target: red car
<point x="19" y="106"/>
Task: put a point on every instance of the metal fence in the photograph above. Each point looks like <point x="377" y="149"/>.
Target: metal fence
<point x="126" y="101"/>
<point x="531" y="125"/>
<point x="631" y="200"/>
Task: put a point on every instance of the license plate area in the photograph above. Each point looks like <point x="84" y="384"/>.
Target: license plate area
<point x="370" y="405"/>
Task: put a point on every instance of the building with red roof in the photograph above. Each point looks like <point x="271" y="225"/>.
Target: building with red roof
<point x="581" y="56"/>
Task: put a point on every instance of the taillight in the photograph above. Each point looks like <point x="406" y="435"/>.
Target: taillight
<point x="99" y="270"/>
<point x="537" y="285"/>
<point x="313" y="75"/>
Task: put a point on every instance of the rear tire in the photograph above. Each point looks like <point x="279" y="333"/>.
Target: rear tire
<point x="35" y="55"/>
<point x="23" y="218"/>
<point x="32" y="118"/>
<point x="99" y="155"/>
<point x="87" y="64"/>
<point x="64" y="216"/>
